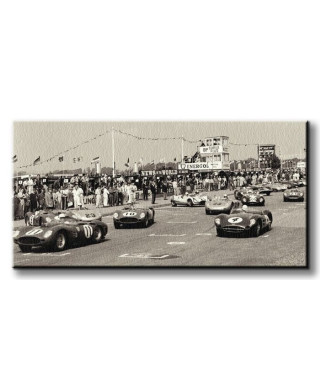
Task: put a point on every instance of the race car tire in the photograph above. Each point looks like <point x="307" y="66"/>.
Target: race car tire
<point x="173" y="203"/>
<point x="146" y="223"/>
<point x="190" y="203"/>
<point x="236" y="194"/>
<point x="60" y="242"/>
<point x="220" y="233"/>
<point x="25" y="249"/>
<point x="256" y="231"/>
<point x="116" y="225"/>
<point x="301" y="200"/>
<point x="97" y="235"/>
<point x="268" y="194"/>
<point x="208" y="212"/>
<point x="285" y="200"/>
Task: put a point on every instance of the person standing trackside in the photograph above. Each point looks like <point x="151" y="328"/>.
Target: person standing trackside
<point x="153" y="188"/>
<point x="165" y="189"/>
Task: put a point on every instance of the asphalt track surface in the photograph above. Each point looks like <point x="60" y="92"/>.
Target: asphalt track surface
<point x="186" y="237"/>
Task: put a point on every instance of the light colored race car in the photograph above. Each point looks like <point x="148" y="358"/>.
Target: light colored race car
<point x="46" y="216"/>
<point x="132" y="215"/>
<point x="278" y="186"/>
<point x="189" y="200"/>
<point x="218" y="205"/>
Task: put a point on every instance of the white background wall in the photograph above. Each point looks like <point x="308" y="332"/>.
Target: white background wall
<point x="168" y="60"/>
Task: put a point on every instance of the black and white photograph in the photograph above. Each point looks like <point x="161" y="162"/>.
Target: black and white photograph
<point x="160" y="194"/>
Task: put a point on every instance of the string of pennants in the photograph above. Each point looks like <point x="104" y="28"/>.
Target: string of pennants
<point x="39" y="162"/>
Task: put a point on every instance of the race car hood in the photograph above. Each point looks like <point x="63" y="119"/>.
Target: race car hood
<point x="218" y="204"/>
<point x="241" y="219"/>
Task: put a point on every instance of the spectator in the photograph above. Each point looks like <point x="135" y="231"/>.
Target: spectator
<point x="33" y="200"/>
<point x="164" y="189"/>
<point x="175" y="187"/>
<point x="48" y="198"/>
<point x="153" y="188"/>
<point x="145" y="189"/>
<point x="105" y="196"/>
<point x="98" y="196"/>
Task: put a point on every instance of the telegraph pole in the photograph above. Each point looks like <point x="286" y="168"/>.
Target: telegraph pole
<point x="113" y="162"/>
<point x="182" y="149"/>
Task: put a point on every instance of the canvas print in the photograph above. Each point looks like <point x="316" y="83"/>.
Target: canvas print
<point x="160" y="194"/>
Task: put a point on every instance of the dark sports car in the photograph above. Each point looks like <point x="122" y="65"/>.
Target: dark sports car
<point x="262" y="189"/>
<point x="131" y="215"/>
<point x="293" y="195"/>
<point x="45" y="216"/>
<point x="217" y="205"/>
<point x="59" y="234"/>
<point x="243" y="222"/>
<point x="253" y="198"/>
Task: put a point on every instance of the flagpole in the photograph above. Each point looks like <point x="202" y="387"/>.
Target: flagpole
<point x="182" y="149"/>
<point x="113" y="162"/>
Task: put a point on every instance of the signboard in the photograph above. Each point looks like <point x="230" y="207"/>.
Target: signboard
<point x="301" y="165"/>
<point x="204" y="166"/>
<point x="265" y="151"/>
<point x="210" y="150"/>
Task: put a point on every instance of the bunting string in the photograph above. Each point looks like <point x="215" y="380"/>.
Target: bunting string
<point x="124" y="133"/>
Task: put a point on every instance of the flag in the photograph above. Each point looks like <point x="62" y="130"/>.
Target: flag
<point x="152" y="163"/>
<point x="96" y="160"/>
<point x="37" y="161"/>
<point x="141" y="161"/>
<point x="61" y="159"/>
<point x="15" y="159"/>
<point x="127" y="164"/>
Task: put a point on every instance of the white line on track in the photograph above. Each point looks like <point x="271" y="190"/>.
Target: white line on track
<point x="166" y="235"/>
<point x="203" y="234"/>
<point x="182" y="222"/>
<point x="266" y="235"/>
<point x="176" y="242"/>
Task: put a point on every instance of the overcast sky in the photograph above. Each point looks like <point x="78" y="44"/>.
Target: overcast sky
<point x="46" y="139"/>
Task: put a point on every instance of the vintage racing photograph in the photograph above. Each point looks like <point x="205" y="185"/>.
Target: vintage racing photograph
<point x="160" y="194"/>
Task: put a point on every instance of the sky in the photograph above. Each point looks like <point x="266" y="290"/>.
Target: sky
<point x="46" y="139"/>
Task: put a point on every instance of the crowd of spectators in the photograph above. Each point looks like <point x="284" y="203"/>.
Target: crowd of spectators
<point x="61" y="193"/>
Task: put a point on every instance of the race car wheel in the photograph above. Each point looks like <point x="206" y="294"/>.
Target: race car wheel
<point x="173" y="203"/>
<point x="256" y="230"/>
<point x="236" y="194"/>
<point x="268" y="194"/>
<point x="60" y="242"/>
<point x="219" y="233"/>
<point x="285" y="200"/>
<point x="25" y="249"/>
<point x="97" y="235"/>
<point x="146" y="223"/>
<point x="207" y="212"/>
<point x="189" y="202"/>
<point x="302" y="200"/>
<point x="116" y="225"/>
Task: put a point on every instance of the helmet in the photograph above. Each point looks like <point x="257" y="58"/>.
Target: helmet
<point x="245" y="207"/>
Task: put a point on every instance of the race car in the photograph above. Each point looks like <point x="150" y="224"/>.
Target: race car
<point x="131" y="215"/>
<point x="243" y="222"/>
<point x="189" y="199"/>
<point x="44" y="216"/>
<point x="262" y="189"/>
<point x="278" y="186"/>
<point x="58" y="234"/>
<point x="293" y="195"/>
<point x="252" y="197"/>
<point x="217" y="205"/>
